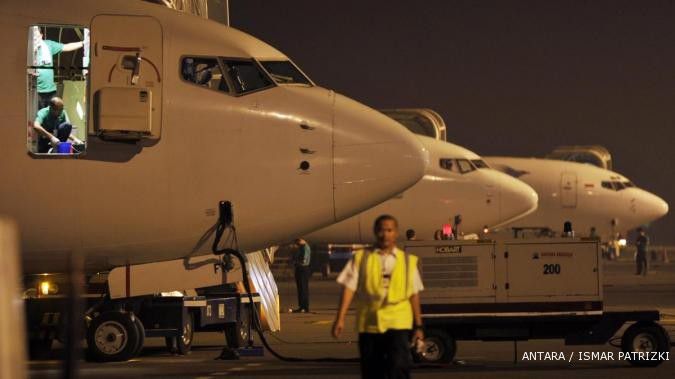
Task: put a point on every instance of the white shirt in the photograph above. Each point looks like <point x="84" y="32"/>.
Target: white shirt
<point x="349" y="277"/>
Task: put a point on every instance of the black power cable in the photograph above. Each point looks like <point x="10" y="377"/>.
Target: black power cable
<point x="225" y="221"/>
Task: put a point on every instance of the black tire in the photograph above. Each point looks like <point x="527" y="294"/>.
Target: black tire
<point x="183" y="344"/>
<point x="112" y="337"/>
<point x="645" y="337"/>
<point x="439" y="347"/>
<point x="237" y="334"/>
<point x="141" y="336"/>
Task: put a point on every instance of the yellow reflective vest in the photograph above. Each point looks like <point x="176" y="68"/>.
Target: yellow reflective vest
<point x="375" y="313"/>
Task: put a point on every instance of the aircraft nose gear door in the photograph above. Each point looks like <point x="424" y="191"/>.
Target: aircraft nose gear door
<point x="126" y="77"/>
<point x="568" y="190"/>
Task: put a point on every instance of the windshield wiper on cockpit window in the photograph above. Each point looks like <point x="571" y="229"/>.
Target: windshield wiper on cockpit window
<point x="281" y="78"/>
<point x="237" y="77"/>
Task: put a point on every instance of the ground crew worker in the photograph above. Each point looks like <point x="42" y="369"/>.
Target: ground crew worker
<point x="641" y="243"/>
<point x="387" y="283"/>
<point x="303" y="270"/>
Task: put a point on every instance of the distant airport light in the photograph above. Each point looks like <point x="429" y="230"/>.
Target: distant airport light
<point x="485" y="230"/>
<point x="622" y="242"/>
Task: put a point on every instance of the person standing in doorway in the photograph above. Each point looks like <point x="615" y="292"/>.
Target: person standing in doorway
<point x="386" y="283"/>
<point x="44" y="53"/>
<point x="301" y="261"/>
<point x="642" y="244"/>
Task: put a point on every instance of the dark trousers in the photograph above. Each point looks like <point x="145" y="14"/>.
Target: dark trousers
<point x="62" y="132"/>
<point x="44" y="97"/>
<point x="641" y="263"/>
<point x="386" y="355"/>
<point x="302" y="274"/>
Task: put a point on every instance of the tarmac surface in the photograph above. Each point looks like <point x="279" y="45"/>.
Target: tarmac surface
<point x="307" y="335"/>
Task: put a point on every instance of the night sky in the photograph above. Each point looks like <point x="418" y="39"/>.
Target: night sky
<point x="509" y="77"/>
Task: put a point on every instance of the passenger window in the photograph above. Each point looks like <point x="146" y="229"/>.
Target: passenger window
<point x="464" y="166"/>
<point x="246" y="76"/>
<point x="204" y="72"/>
<point x="446" y="164"/>
<point x="57" y="71"/>
<point x="284" y="72"/>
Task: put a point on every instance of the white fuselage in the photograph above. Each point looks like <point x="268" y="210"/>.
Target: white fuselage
<point x="585" y="195"/>
<point x="483" y="197"/>
<point x="154" y="199"/>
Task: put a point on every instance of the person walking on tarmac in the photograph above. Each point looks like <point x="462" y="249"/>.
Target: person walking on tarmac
<point x="303" y="270"/>
<point x="386" y="283"/>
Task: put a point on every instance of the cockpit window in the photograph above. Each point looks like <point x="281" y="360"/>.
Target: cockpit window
<point x="459" y="165"/>
<point x="204" y="72"/>
<point x="616" y="185"/>
<point x="285" y="72"/>
<point x="465" y="166"/>
<point x="446" y="164"/>
<point x="479" y="163"/>
<point x="246" y="76"/>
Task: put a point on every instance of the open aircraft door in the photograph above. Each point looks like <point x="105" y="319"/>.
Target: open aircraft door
<point x="568" y="190"/>
<point x="126" y="77"/>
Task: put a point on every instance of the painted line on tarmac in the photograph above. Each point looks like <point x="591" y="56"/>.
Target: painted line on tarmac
<point x="319" y="322"/>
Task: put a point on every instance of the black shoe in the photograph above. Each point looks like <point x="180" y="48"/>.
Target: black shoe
<point x="299" y="310"/>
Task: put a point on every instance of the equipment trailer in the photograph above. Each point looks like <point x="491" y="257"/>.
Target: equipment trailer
<point x="172" y="299"/>
<point x="516" y="290"/>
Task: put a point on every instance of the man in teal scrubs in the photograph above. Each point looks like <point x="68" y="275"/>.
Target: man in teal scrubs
<point x="53" y="126"/>
<point x="44" y="53"/>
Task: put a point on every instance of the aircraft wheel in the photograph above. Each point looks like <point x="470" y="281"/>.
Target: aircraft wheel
<point x="113" y="337"/>
<point x="645" y="338"/>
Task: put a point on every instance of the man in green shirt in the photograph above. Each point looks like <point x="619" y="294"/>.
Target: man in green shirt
<point x="44" y="53"/>
<point x="52" y="125"/>
<point x="301" y="261"/>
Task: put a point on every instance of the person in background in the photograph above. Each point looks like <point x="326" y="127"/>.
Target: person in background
<point x="44" y="60"/>
<point x="410" y="235"/>
<point x="301" y="261"/>
<point x="642" y="244"/>
<point x="53" y="126"/>
<point x="386" y="283"/>
<point x="593" y="234"/>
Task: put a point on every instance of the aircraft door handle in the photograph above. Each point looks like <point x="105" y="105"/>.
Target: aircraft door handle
<point x="307" y="151"/>
<point x="305" y="126"/>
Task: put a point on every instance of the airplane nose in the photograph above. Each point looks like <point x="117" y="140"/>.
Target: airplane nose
<point x="517" y="199"/>
<point x="374" y="158"/>
<point x="653" y="207"/>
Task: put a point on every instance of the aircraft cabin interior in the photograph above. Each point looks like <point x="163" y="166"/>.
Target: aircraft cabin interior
<point x="57" y="81"/>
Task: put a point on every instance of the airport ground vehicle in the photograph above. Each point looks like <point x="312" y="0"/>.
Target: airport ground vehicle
<point x="521" y="289"/>
<point x="122" y="308"/>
